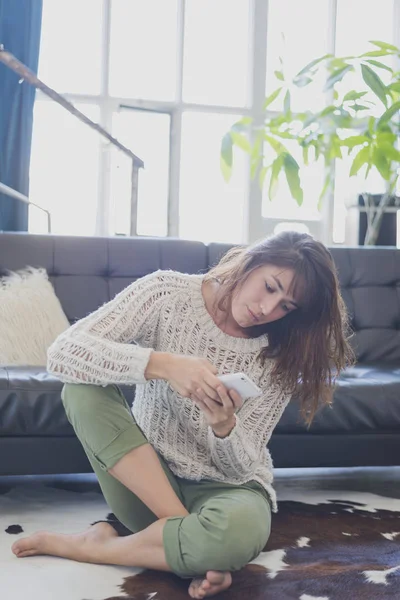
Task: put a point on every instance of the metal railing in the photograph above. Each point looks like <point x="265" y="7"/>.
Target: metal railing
<point x="26" y="74"/>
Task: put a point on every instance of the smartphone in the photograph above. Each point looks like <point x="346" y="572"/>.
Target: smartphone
<point x="242" y="384"/>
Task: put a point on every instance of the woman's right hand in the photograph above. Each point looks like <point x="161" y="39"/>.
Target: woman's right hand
<point x="185" y="374"/>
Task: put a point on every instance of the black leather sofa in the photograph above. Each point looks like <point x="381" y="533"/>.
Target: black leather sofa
<point x="362" y="428"/>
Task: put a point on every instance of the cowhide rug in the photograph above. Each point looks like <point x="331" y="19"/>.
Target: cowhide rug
<point x="325" y="545"/>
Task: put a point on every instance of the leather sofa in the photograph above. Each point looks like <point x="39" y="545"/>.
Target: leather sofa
<point x="362" y="428"/>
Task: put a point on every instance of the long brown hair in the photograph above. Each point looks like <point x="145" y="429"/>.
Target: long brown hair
<point x="310" y="346"/>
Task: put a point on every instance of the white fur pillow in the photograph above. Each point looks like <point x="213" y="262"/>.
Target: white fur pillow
<point x="31" y="317"/>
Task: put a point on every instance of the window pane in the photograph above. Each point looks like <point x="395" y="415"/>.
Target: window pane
<point x="377" y="24"/>
<point x="375" y="21"/>
<point x="216" y="52"/>
<point x="70" y="46"/>
<point x="298" y="39"/>
<point x="143" y="49"/>
<point x="147" y="135"/>
<point x="312" y="182"/>
<point x="210" y="209"/>
<point x="64" y="169"/>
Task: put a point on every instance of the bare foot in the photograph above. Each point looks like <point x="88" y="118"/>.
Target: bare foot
<point x="213" y="583"/>
<point x="80" y="546"/>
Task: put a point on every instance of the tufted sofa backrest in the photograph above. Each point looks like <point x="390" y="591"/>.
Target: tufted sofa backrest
<point x="88" y="271"/>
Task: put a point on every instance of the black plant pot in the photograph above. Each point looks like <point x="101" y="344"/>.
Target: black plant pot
<point x="388" y="230"/>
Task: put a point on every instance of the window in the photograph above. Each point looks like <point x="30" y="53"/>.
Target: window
<point x="64" y="170"/>
<point x="350" y="40"/>
<point x="216" y="52"/>
<point x="143" y="49"/>
<point x="206" y="201"/>
<point x="168" y="78"/>
<point x="297" y="38"/>
<point x="67" y="62"/>
<point x="149" y="133"/>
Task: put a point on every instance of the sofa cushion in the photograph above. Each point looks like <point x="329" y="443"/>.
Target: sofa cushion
<point x="367" y="399"/>
<point x="30" y="403"/>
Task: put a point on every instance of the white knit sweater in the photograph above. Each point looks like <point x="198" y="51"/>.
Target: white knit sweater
<point x="165" y="311"/>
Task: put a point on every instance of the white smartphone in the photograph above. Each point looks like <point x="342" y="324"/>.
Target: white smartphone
<point x="241" y="383"/>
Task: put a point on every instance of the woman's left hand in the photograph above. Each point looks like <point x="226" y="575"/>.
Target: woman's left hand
<point x="220" y="415"/>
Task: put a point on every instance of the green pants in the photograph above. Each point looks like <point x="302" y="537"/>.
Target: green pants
<point x="228" y="525"/>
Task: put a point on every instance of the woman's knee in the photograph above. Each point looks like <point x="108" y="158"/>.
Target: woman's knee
<point x="77" y="396"/>
<point x="83" y="398"/>
<point x="243" y="533"/>
<point x="224" y="541"/>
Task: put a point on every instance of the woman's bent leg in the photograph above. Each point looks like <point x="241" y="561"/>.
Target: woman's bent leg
<point x="112" y="440"/>
<point x="227" y="528"/>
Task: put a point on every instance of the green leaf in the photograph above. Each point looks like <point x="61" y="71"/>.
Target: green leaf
<point x="275" y="144"/>
<point x="334" y="150"/>
<point x="328" y="110"/>
<point x="279" y="75"/>
<point x="256" y="150"/>
<point x="336" y="63"/>
<point x="286" y="135"/>
<point x="371" y="125"/>
<point x="389" y="113"/>
<point x="302" y="81"/>
<point x="337" y="76"/>
<point x="305" y="154"/>
<point x="354" y="140"/>
<point x="374" y="82"/>
<point x="375" y="53"/>
<point x="254" y="164"/>
<point x="243" y="123"/>
<point x="390" y="152"/>
<point x="241" y="141"/>
<point x="384" y="45"/>
<point x="394" y="86"/>
<point x="292" y="176"/>
<point x="380" y="65"/>
<point x="286" y="102"/>
<point x="269" y="100"/>
<point x="226" y="156"/>
<point x="311" y="65"/>
<point x="225" y="170"/>
<point x="274" y="180"/>
<point x="357" y="107"/>
<point x="353" y="95"/>
<point x="381" y="163"/>
<point x="360" y="159"/>
<point x="384" y="138"/>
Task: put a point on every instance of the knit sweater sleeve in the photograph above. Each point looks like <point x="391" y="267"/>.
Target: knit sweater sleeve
<point x="241" y="452"/>
<point x="102" y="348"/>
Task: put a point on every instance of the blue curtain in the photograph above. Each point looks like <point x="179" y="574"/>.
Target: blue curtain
<point x="20" y="26"/>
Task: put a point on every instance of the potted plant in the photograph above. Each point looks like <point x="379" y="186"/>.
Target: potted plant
<point x="362" y="123"/>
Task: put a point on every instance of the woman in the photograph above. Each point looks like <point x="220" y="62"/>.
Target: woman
<point x="189" y="473"/>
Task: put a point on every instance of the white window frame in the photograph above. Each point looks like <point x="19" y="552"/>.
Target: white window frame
<point x="255" y="225"/>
